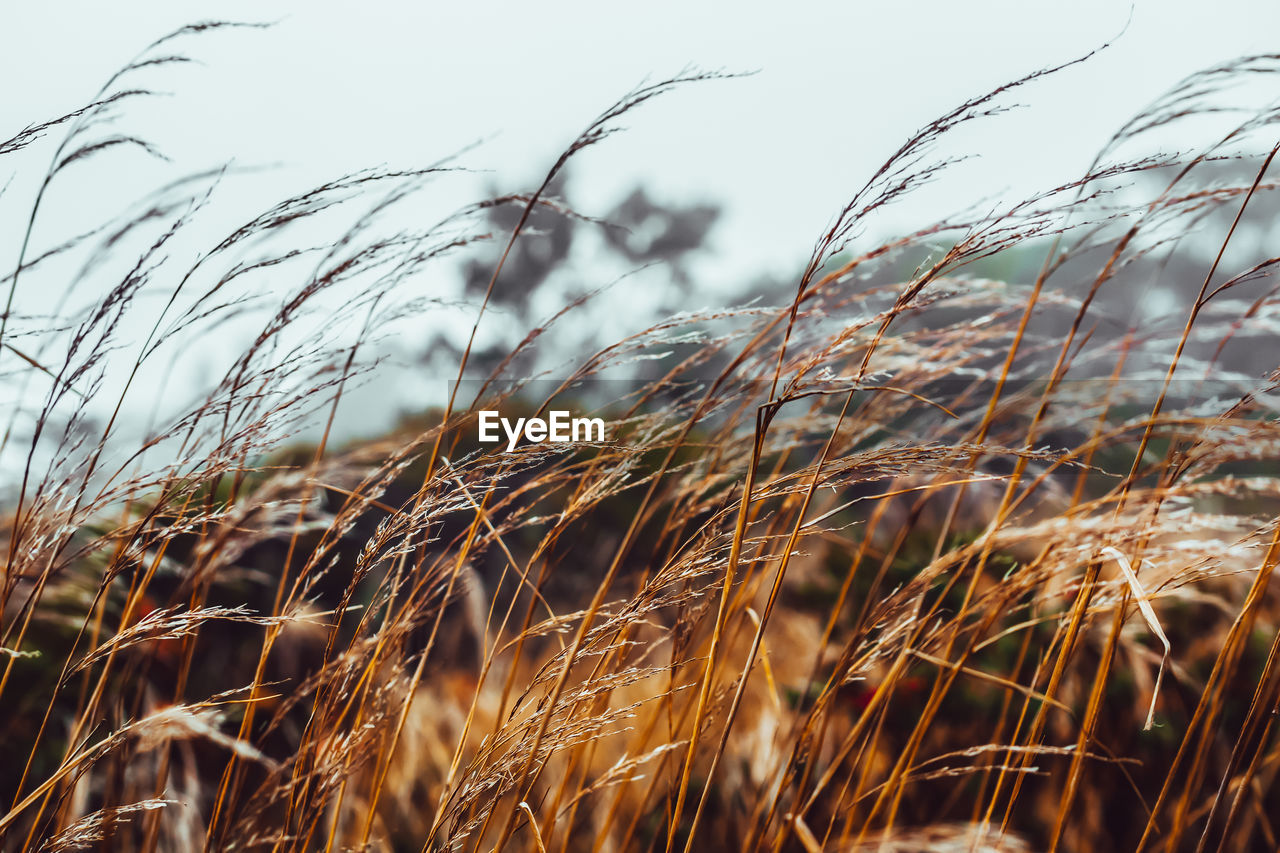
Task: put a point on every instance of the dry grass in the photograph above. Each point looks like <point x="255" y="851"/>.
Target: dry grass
<point x="921" y="562"/>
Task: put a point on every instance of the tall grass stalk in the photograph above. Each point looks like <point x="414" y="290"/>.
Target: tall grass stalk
<point x="916" y="558"/>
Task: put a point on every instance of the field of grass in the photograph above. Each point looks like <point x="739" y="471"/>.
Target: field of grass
<point x="922" y="560"/>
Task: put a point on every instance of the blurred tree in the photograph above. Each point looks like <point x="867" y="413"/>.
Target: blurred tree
<point x="650" y="232"/>
<point x="637" y="231"/>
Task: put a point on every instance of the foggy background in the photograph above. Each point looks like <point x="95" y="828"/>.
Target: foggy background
<point x="753" y="167"/>
<point x="332" y="88"/>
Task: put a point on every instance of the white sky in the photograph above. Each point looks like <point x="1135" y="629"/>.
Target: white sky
<point x="336" y="87"/>
<point x="340" y="86"/>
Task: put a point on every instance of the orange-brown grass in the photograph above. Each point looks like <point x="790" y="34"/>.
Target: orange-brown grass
<point x="915" y="560"/>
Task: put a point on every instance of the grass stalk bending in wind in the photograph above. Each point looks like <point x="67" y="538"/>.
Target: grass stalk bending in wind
<point x="917" y="558"/>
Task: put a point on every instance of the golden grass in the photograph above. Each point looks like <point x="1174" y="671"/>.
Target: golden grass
<point x="929" y="561"/>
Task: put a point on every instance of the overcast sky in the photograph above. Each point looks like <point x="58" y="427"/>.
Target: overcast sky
<point x="340" y="86"/>
<point x="835" y="88"/>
